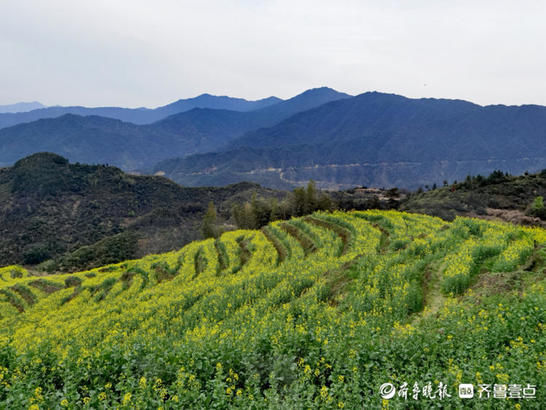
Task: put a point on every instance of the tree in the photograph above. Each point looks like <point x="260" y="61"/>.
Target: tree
<point x="324" y="202"/>
<point x="261" y="211"/>
<point x="208" y="227"/>
<point x="537" y="207"/>
<point x="310" y="198"/>
<point x="244" y="216"/>
<point x="275" y="213"/>
<point x="299" y="201"/>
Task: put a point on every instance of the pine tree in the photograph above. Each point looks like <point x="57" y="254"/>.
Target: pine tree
<point x="299" y="201"/>
<point x="208" y="227"/>
<point x="310" y="198"/>
<point x="249" y="216"/>
<point x="275" y="214"/>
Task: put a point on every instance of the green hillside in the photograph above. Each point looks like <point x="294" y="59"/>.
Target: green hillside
<point x="498" y="195"/>
<point x="315" y="312"/>
<point x="81" y="216"/>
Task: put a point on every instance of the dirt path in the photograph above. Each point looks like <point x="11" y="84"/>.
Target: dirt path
<point x="433" y="296"/>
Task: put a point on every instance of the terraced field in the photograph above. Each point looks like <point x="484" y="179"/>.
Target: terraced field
<point x="315" y="312"/>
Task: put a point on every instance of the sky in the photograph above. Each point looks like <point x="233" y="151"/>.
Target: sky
<point x="148" y="53"/>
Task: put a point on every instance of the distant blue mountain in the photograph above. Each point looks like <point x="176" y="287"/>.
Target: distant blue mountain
<point x="339" y="141"/>
<point x="376" y="139"/>
<point x="20" y="107"/>
<point x="97" y="139"/>
<point x="214" y="128"/>
<point x="138" y="115"/>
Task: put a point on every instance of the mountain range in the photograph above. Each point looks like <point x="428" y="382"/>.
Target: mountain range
<point x="377" y="139"/>
<point x="340" y="141"/>
<point x="20" y="107"/>
<point x="27" y="112"/>
<point x="96" y="139"/>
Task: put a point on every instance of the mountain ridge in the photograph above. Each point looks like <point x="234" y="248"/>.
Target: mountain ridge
<point x="140" y="115"/>
<point x="20" y="107"/>
<point x="445" y="139"/>
<point x="95" y="139"/>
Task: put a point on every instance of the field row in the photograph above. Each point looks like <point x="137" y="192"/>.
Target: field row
<point x="311" y="310"/>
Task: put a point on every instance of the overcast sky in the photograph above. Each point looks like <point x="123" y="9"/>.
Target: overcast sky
<point x="148" y="53"/>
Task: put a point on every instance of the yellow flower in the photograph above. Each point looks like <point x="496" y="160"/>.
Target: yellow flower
<point x="341" y="405"/>
<point x="503" y="378"/>
<point x="127" y="398"/>
<point x="324" y="392"/>
<point x="102" y="396"/>
<point x="142" y="382"/>
<point x="64" y="403"/>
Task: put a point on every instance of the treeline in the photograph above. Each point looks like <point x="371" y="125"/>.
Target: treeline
<point x="259" y="212"/>
<point x="478" y="181"/>
<point x="109" y="250"/>
<point x="496" y="177"/>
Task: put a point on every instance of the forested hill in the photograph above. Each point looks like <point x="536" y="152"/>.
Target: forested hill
<point x="86" y="139"/>
<point x="377" y="139"/>
<point x="516" y="199"/>
<point x="49" y="208"/>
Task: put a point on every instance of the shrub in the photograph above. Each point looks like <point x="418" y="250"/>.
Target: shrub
<point x="36" y="254"/>
<point x="537" y="208"/>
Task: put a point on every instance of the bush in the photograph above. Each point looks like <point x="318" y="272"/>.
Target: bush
<point x="107" y="251"/>
<point x="48" y="266"/>
<point x="537" y="208"/>
<point x="36" y="254"/>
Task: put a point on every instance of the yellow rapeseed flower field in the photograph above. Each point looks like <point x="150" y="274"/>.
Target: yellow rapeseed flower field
<point x="315" y="312"/>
